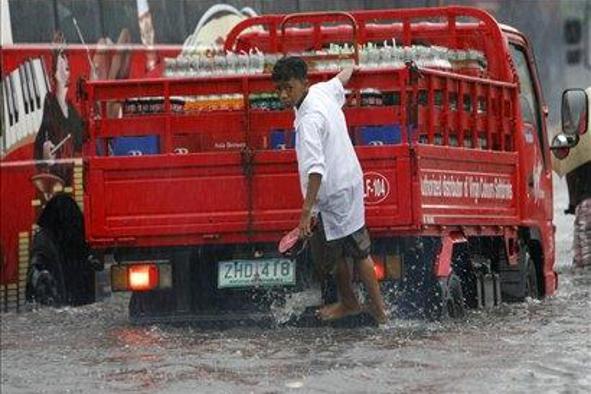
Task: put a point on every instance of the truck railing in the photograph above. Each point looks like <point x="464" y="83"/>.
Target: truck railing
<point x="463" y="111"/>
<point x="317" y="19"/>
<point x="210" y="126"/>
<point x="384" y="107"/>
<point x="453" y="27"/>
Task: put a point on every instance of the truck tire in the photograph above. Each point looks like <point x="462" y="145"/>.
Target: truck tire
<point x="59" y="248"/>
<point x="532" y="286"/>
<point x="446" y="299"/>
<point x="522" y="281"/>
<point x="417" y="282"/>
<point x="422" y="294"/>
<point x="45" y="284"/>
<point x="464" y="267"/>
<point x="456" y="307"/>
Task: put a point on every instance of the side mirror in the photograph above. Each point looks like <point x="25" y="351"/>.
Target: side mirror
<point x="562" y="143"/>
<point x="574" y="112"/>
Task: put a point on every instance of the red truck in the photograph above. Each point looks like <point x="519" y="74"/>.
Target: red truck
<point x="190" y="187"/>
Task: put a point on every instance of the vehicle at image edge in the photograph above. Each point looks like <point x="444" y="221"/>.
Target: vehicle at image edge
<point x="190" y="189"/>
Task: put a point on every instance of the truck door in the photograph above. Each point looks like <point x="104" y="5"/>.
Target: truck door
<point x="536" y="172"/>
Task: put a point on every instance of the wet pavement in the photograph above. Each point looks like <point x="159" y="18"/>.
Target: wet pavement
<point x="536" y="346"/>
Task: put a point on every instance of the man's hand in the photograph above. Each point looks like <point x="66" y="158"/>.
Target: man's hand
<point x="305" y="225"/>
<point x="306" y="222"/>
<point x="48" y="150"/>
<point x="345" y="74"/>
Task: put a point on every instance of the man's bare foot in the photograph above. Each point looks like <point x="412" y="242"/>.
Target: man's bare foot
<point x="326" y="310"/>
<point x="379" y="316"/>
<point x="337" y="311"/>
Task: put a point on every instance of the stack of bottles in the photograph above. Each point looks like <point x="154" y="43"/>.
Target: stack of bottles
<point x="471" y="62"/>
<point x="371" y="56"/>
<point x="214" y="102"/>
<point x="265" y="101"/>
<point x="333" y="58"/>
<point x="151" y="105"/>
<point x="219" y="64"/>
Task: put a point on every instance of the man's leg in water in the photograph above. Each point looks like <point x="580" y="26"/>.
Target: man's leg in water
<point x="368" y="277"/>
<point x="348" y="304"/>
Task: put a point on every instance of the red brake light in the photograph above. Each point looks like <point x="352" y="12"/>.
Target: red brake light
<point x="143" y="277"/>
<point x="379" y="269"/>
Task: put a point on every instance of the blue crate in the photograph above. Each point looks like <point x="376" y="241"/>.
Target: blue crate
<point x="128" y="146"/>
<point x="282" y="139"/>
<point x="379" y="135"/>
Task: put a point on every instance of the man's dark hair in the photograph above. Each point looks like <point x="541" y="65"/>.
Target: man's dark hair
<point x="291" y="67"/>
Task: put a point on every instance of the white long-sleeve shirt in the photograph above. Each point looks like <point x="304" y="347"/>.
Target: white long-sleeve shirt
<point x="323" y="146"/>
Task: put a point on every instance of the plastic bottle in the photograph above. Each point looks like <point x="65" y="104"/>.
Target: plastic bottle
<point x="386" y="53"/>
<point x="242" y="63"/>
<point x="346" y="56"/>
<point x="169" y="67"/>
<point x="194" y="67"/>
<point x="256" y="61"/>
<point x="398" y="58"/>
<point x="442" y="58"/>
<point x="220" y="65"/>
<point x="363" y="56"/>
<point x="408" y="54"/>
<point x="374" y="56"/>
<point x="205" y="65"/>
<point x="231" y="61"/>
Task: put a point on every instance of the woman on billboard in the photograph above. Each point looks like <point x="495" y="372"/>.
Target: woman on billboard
<point x="60" y="134"/>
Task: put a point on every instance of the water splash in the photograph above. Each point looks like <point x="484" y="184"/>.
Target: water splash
<point x="294" y="305"/>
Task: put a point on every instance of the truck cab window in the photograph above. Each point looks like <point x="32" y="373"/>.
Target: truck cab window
<point x="528" y="99"/>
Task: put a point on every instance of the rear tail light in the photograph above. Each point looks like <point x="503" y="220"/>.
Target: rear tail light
<point x="140" y="276"/>
<point x="386" y="266"/>
<point x="143" y="277"/>
<point x="379" y="269"/>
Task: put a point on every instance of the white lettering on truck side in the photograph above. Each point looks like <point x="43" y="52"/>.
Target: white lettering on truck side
<point x="466" y="186"/>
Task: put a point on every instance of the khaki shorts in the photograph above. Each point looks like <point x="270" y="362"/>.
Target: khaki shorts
<point x="326" y="254"/>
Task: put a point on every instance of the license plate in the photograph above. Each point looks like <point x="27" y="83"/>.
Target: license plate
<point x="250" y="273"/>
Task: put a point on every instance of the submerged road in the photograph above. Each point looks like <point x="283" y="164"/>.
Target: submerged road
<point x="537" y="346"/>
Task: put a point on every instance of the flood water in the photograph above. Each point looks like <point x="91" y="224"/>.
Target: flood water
<point x="537" y="346"/>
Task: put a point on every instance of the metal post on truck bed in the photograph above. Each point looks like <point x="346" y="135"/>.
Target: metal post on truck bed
<point x="316" y="18"/>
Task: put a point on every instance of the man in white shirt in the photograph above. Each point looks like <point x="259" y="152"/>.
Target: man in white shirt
<point x="331" y="180"/>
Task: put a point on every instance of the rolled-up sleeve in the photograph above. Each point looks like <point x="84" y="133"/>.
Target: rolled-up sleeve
<point x="311" y="155"/>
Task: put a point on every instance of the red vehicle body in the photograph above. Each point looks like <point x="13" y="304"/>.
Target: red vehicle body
<point x="459" y="206"/>
<point x="22" y="201"/>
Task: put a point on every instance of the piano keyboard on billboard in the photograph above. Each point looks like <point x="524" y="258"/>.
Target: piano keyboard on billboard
<point x="23" y="93"/>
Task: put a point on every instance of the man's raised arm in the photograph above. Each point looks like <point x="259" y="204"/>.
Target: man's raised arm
<point x="345" y="74"/>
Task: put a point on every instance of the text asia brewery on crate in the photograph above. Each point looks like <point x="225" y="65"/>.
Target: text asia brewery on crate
<point x="185" y="177"/>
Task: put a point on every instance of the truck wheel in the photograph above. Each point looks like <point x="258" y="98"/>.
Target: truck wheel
<point x="520" y="282"/>
<point x="455" y="301"/>
<point x="532" y="288"/>
<point x="418" y="288"/>
<point x="446" y="299"/>
<point x="464" y="267"/>
<point x="59" y="248"/>
<point x="45" y="279"/>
